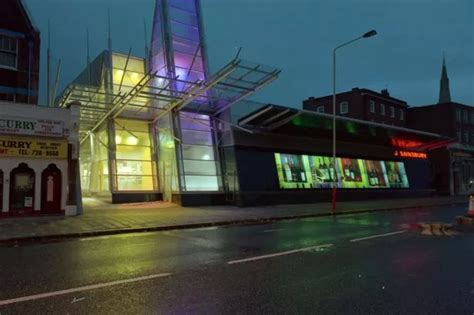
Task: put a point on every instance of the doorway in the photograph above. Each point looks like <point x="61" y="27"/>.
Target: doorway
<point x="22" y="190"/>
<point x="51" y="190"/>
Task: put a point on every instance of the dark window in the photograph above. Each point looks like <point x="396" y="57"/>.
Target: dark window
<point x="8" y="52"/>
<point x="372" y="106"/>
<point x="402" y="114"/>
<point x="458" y="115"/>
<point x="392" y="112"/>
<point x="466" y="117"/>
<point x="382" y="109"/>
<point x="344" y="107"/>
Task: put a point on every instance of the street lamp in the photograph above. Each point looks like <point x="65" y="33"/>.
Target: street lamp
<point x="334" y="182"/>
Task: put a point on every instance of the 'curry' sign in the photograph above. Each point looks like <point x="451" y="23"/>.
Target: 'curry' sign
<point x="19" y="147"/>
<point x="31" y="126"/>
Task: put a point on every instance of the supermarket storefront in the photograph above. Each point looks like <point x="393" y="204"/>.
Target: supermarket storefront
<point x="285" y="156"/>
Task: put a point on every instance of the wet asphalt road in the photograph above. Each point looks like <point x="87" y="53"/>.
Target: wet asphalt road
<point x="404" y="273"/>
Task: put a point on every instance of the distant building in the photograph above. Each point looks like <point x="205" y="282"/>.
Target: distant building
<point x="19" y="54"/>
<point x="362" y="104"/>
<point x="444" y="93"/>
<point x="455" y="161"/>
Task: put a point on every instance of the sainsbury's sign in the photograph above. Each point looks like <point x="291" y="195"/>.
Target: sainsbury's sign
<point x="31" y="126"/>
<point x="411" y="154"/>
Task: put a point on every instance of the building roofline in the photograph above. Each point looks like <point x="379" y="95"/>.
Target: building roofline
<point x="28" y="15"/>
<point x="370" y="123"/>
<point x="364" y="91"/>
<point x="448" y="103"/>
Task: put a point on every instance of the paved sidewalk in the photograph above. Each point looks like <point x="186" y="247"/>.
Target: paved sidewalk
<point x="101" y="218"/>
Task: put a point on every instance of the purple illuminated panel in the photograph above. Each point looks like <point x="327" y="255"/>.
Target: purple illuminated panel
<point x="177" y="22"/>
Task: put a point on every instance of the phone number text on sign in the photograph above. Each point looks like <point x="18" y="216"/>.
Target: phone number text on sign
<point x="19" y="147"/>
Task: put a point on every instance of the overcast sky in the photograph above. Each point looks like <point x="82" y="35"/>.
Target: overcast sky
<point x="296" y="36"/>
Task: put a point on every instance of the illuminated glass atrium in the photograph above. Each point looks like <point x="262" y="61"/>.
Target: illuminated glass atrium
<point x="150" y="127"/>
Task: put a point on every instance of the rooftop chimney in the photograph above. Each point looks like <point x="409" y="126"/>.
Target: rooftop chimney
<point x="385" y="92"/>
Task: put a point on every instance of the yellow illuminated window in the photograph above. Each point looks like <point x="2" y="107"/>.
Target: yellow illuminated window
<point x="134" y="167"/>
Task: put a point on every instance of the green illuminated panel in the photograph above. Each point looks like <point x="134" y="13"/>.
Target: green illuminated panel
<point x="306" y="172"/>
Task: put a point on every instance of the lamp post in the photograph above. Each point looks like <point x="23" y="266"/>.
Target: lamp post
<point x="334" y="178"/>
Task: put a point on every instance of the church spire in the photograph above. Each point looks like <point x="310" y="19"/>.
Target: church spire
<point x="444" y="94"/>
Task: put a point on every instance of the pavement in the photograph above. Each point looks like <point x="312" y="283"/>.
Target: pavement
<point x="102" y="218"/>
<point x="364" y="263"/>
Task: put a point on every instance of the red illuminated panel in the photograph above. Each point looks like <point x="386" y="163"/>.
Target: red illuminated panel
<point x="405" y="143"/>
<point x="411" y="154"/>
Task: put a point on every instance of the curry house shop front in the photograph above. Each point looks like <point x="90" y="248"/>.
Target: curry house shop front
<point x="36" y="160"/>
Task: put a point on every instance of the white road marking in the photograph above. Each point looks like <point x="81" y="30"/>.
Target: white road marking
<point x="377" y="236"/>
<point x="80" y="289"/>
<point x="305" y="249"/>
<point x="77" y="300"/>
<point x="274" y="230"/>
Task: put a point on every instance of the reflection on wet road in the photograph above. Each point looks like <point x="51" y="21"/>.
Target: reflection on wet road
<point x="365" y="263"/>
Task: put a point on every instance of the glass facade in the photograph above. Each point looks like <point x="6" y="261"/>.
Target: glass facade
<point x="200" y="163"/>
<point x="167" y="168"/>
<point x="95" y="165"/>
<point x="135" y="169"/>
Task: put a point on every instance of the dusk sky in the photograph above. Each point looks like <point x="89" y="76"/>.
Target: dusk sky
<point x="296" y="36"/>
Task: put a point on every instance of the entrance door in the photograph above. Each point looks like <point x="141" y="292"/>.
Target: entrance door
<point x="51" y="190"/>
<point x="22" y="189"/>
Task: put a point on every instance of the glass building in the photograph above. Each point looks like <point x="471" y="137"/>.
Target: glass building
<point x="150" y="127"/>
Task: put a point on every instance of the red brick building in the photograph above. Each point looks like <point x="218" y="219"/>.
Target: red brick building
<point x="19" y="54"/>
<point x="362" y="104"/>
<point x="454" y="162"/>
<point x="453" y="120"/>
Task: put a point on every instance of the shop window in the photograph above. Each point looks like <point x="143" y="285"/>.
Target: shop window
<point x="134" y="166"/>
<point x="128" y="167"/>
<point x="195" y="152"/>
<point x="8" y="52"/>
<point x="22" y="189"/>
<point x="196" y="137"/>
<point x="199" y="160"/>
<point x="320" y="109"/>
<point x="344" y="107"/>
<point x="124" y="137"/>
<point x="372" y="106"/>
<point x="193" y="167"/>
<point x="135" y="183"/>
<point x="382" y="109"/>
<point x="201" y="183"/>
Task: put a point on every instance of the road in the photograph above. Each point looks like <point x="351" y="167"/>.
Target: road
<point x="354" y="264"/>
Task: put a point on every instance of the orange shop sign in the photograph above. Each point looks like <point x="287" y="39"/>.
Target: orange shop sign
<point x="410" y="154"/>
